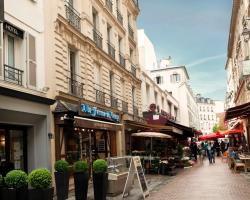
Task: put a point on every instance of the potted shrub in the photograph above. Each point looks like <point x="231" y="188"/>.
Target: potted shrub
<point x="40" y="181"/>
<point x="1" y="185"/>
<point x="62" y="179"/>
<point x="81" y="178"/>
<point x="100" y="179"/>
<point x="17" y="186"/>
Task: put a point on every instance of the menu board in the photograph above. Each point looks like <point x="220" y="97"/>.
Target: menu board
<point x="136" y="168"/>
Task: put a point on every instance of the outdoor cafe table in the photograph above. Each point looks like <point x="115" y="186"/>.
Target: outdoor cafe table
<point x="246" y="160"/>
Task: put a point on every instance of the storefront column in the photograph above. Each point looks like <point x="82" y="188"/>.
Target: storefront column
<point x="119" y="147"/>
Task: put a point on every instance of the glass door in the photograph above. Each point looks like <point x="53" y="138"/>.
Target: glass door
<point x="13" y="149"/>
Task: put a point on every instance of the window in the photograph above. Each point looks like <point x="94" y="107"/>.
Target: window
<point x="133" y="95"/>
<point x="95" y="18"/>
<point x="207" y="109"/>
<point x="148" y="93"/>
<point x="119" y="44"/>
<point x="108" y="33"/>
<point x="200" y="117"/>
<point x="131" y="53"/>
<point x="159" y="79"/>
<point x="175" y="78"/>
<point x="72" y="69"/>
<point x="111" y="81"/>
<point x="156" y="98"/>
<point x="11" y="51"/>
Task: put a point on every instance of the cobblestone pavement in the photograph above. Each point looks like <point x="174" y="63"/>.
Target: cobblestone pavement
<point x="206" y="182"/>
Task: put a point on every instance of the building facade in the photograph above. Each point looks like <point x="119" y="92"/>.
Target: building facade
<point x="25" y="117"/>
<point x="174" y="79"/>
<point x="208" y="113"/>
<point x="94" y="73"/>
<point x="237" y="66"/>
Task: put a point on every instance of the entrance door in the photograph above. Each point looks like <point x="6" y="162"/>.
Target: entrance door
<point x="13" y="149"/>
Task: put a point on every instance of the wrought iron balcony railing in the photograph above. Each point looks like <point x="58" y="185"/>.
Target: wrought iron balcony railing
<point x="13" y="75"/>
<point x="109" y="5"/>
<point x="133" y="70"/>
<point x="119" y="16"/>
<point x="100" y="97"/>
<point x="111" y="50"/>
<point x="73" y="16"/>
<point x="135" y="110"/>
<point x="97" y="37"/>
<point x="114" y="102"/>
<point x="122" y="59"/>
<point x="75" y="87"/>
<point x="124" y="106"/>
<point x="130" y="31"/>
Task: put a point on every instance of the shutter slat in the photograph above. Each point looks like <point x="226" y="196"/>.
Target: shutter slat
<point x="32" y="61"/>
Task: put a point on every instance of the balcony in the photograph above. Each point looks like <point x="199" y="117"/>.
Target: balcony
<point x="75" y="87"/>
<point x="119" y="16"/>
<point x="135" y="111"/>
<point x="109" y="5"/>
<point x="97" y="37"/>
<point x="130" y="31"/>
<point x="114" y="102"/>
<point x="122" y="60"/>
<point x="100" y="97"/>
<point x="124" y="106"/>
<point x="133" y="70"/>
<point x="13" y="75"/>
<point x="111" y="50"/>
<point x="73" y="16"/>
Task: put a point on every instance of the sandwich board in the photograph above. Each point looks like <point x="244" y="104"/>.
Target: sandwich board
<point x="136" y="168"/>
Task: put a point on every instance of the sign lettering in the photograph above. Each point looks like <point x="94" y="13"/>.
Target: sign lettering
<point x="93" y="111"/>
<point x="12" y="29"/>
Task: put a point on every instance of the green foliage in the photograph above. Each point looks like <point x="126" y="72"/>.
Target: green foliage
<point x="61" y="166"/>
<point x="100" y="166"/>
<point x="81" y="166"/>
<point x="40" y="178"/>
<point x="16" y="179"/>
<point x="1" y="180"/>
<point x="180" y="150"/>
<point x="215" y="128"/>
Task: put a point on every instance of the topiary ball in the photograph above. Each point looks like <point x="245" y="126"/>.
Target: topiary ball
<point x="16" y="179"/>
<point x="81" y="166"/>
<point x="40" y="178"/>
<point x="100" y="166"/>
<point x="61" y="166"/>
<point x="1" y="180"/>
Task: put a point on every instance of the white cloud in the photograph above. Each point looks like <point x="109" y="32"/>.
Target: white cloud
<point x="206" y="59"/>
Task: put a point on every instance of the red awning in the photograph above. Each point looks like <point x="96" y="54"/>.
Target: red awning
<point x="231" y="132"/>
<point x="211" y="136"/>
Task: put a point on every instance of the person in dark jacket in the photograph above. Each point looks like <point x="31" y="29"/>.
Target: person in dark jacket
<point x="193" y="148"/>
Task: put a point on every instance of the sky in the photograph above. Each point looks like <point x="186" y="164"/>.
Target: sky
<point x="195" y="34"/>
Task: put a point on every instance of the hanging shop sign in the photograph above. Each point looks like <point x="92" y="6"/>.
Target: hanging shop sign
<point x="95" y="112"/>
<point x="13" y="30"/>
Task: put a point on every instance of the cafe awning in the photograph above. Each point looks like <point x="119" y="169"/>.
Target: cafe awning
<point x="238" y="111"/>
<point x="211" y="136"/>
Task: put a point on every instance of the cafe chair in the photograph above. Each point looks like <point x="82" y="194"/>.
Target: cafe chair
<point x="238" y="165"/>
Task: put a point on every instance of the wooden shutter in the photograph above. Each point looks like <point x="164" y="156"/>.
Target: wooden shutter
<point x="32" y="60"/>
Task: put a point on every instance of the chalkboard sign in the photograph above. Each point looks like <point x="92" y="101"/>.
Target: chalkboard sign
<point x="136" y="167"/>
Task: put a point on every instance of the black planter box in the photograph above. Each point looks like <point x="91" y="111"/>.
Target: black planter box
<point x="14" y="194"/>
<point x="41" y="194"/>
<point x="81" y="185"/>
<point x="100" y="182"/>
<point x="62" y="185"/>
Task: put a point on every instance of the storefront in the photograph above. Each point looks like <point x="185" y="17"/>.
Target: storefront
<point x="24" y="131"/>
<point x="85" y="132"/>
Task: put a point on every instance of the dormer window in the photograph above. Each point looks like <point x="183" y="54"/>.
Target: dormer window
<point x="159" y="79"/>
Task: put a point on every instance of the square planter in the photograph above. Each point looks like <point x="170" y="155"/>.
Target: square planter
<point x="41" y="194"/>
<point x="14" y="194"/>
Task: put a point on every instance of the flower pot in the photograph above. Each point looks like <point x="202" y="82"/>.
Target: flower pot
<point x="14" y="194"/>
<point x="81" y="185"/>
<point x="100" y="182"/>
<point x="62" y="185"/>
<point x="41" y="194"/>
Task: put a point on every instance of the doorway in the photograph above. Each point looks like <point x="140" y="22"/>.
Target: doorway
<point x="13" y="148"/>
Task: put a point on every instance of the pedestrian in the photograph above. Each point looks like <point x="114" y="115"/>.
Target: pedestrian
<point x="213" y="151"/>
<point x="202" y="150"/>
<point x="193" y="148"/>
<point x="209" y="152"/>
<point x="217" y="147"/>
<point x="222" y="147"/>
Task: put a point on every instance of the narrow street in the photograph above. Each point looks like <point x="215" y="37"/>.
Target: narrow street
<point x="205" y="182"/>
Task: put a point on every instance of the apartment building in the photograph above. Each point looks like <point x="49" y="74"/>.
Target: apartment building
<point x="93" y="69"/>
<point x="174" y="79"/>
<point x="237" y="67"/>
<point x="25" y="117"/>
